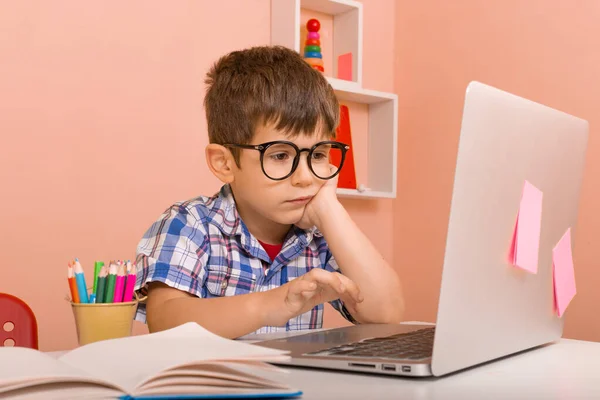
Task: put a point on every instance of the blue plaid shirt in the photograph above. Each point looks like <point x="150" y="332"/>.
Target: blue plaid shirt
<point x="203" y="247"/>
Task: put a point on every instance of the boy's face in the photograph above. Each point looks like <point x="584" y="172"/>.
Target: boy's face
<point x="283" y="201"/>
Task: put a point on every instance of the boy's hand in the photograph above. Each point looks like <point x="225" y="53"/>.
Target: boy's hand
<point x="319" y="203"/>
<point x="315" y="287"/>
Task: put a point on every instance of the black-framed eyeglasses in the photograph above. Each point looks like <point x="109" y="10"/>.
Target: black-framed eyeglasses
<point x="279" y="159"/>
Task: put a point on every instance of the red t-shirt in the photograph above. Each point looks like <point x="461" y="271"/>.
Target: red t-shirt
<point x="271" y="249"/>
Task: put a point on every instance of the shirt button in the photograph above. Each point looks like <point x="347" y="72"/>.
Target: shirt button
<point x="223" y="284"/>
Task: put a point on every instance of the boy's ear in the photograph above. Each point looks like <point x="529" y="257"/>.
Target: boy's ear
<point x="220" y="161"/>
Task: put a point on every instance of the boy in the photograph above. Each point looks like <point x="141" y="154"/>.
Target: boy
<point x="274" y="244"/>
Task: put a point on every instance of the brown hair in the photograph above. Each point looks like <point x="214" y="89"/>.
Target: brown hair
<point x="267" y="85"/>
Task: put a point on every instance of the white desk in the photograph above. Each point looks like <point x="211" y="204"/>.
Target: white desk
<point x="569" y="369"/>
<point x="566" y="370"/>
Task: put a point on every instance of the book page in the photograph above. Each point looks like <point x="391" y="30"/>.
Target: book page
<point x="197" y="382"/>
<point x="249" y="393"/>
<point x="21" y="368"/>
<point x="225" y="373"/>
<point x="129" y="362"/>
<point x="76" y="390"/>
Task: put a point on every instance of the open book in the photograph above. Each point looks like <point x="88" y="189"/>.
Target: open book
<point x="183" y="362"/>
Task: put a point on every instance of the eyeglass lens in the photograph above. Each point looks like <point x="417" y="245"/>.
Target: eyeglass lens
<point x="278" y="160"/>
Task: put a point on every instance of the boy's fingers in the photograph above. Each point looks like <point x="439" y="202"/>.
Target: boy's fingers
<point x="308" y="294"/>
<point x="325" y="278"/>
<point x="343" y="286"/>
<point x="302" y="285"/>
<point x="351" y="288"/>
<point x="338" y="282"/>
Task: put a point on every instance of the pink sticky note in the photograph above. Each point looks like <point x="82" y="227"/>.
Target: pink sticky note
<point x="563" y="273"/>
<point x="345" y="66"/>
<point x="525" y="243"/>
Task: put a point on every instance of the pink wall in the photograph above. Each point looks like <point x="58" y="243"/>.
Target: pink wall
<point x="546" y="51"/>
<point x="103" y="127"/>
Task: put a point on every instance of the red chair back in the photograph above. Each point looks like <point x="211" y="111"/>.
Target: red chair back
<point x="18" y="326"/>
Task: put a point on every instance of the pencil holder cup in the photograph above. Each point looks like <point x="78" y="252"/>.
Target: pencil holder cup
<point x="101" y="321"/>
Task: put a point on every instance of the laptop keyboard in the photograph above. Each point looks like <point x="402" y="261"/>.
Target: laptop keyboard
<point x="415" y="345"/>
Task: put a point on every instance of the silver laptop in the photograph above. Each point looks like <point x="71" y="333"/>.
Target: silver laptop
<point x="487" y="308"/>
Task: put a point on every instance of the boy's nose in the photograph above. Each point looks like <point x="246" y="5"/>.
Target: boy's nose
<point x="302" y="176"/>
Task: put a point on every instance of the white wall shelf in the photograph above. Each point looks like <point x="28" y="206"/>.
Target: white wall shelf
<point x="332" y="7"/>
<point x="382" y="126"/>
<point x="367" y="194"/>
<point x="347" y="27"/>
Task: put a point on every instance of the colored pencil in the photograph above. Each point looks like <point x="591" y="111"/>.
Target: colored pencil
<point x="101" y="285"/>
<point x="130" y="283"/>
<point x="81" y="286"/>
<point x="119" y="284"/>
<point x="110" y="283"/>
<point x="72" y="284"/>
<point x="97" y="266"/>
